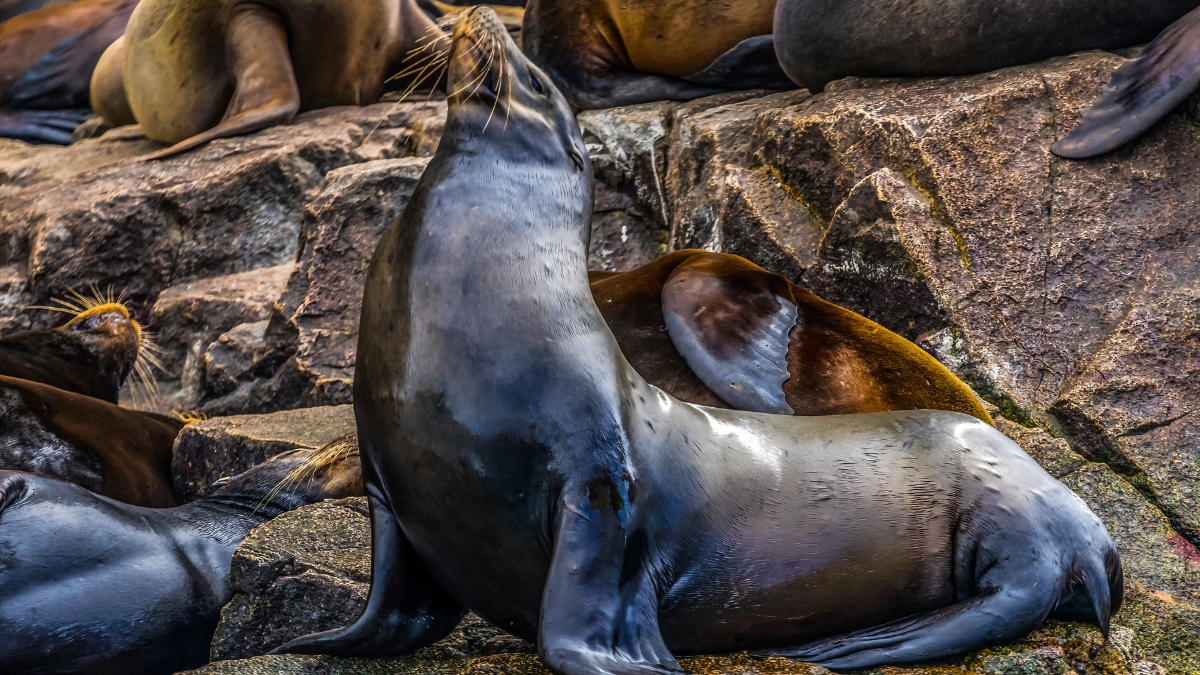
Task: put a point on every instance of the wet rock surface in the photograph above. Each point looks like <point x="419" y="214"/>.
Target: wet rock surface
<point x="226" y="446"/>
<point x="1067" y="294"/>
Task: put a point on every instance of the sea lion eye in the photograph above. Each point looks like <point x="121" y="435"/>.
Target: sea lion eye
<point x="536" y="84"/>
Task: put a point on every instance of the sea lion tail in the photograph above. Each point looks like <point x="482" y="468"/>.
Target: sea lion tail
<point x="1093" y="591"/>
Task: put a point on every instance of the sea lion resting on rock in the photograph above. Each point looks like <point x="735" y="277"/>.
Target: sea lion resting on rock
<point x="190" y="71"/>
<point x="119" y="453"/>
<point x="517" y="465"/>
<point x="90" y="585"/>
<point x="717" y="330"/>
<point x="818" y="41"/>
<point x="605" y="53"/>
<point x="47" y="57"/>
<point x="92" y="354"/>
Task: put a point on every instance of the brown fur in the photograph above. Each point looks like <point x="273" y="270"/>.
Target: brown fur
<point x="132" y="449"/>
<point x="839" y="362"/>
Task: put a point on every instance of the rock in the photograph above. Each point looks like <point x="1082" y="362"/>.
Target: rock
<point x="231" y="365"/>
<point x="226" y="446"/>
<point x="192" y="315"/>
<point x="92" y="213"/>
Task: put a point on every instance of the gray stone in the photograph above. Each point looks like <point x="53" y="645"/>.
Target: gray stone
<point x="226" y="446"/>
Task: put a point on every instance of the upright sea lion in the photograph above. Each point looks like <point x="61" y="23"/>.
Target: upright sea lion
<point x="190" y="71"/>
<point x="715" y="329"/>
<point x="119" y="453"/>
<point x="605" y="53"/>
<point x="47" y="57"/>
<point x="92" y="354"/>
<point x="822" y="40"/>
<point x="517" y="465"/>
<point x="90" y="585"/>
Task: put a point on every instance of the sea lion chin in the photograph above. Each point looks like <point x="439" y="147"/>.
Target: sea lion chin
<point x="516" y="465"/>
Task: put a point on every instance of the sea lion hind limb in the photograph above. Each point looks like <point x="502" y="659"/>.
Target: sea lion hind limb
<point x="41" y="126"/>
<point x="1142" y="92"/>
<point x="751" y="64"/>
<point x="266" y="92"/>
<point x="406" y="608"/>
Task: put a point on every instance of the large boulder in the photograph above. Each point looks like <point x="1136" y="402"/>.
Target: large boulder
<point x="226" y="446"/>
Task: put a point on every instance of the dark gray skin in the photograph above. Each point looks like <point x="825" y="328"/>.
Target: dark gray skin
<point x="818" y="41"/>
<point x="517" y="465"/>
<point x="91" y="585"/>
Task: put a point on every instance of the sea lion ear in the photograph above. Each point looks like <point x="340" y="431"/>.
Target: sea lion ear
<point x="1142" y="92"/>
<point x="730" y="320"/>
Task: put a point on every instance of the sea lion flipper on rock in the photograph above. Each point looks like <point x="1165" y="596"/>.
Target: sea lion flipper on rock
<point x="46" y="126"/>
<point x="599" y="605"/>
<point x="406" y="608"/>
<point x="751" y="64"/>
<point x="731" y="323"/>
<point x="265" y="91"/>
<point x="1142" y="91"/>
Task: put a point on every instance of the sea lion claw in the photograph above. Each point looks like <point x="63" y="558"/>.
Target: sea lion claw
<point x="1142" y="92"/>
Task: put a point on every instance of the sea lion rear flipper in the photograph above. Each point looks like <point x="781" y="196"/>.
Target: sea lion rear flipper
<point x="983" y="620"/>
<point x="405" y="610"/>
<point x="41" y="126"/>
<point x="265" y="93"/>
<point x="599" y="604"/>
<point x="731" y="322"/>
<point x="751" y="64"/>
<point x="1142" y="92"/>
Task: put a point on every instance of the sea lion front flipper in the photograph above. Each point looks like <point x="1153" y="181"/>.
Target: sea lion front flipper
<point x="41" y="126"/>
<point x="1142" y="92"/>
<point x="599" y="605"/>
<point x="265" y="93"/>
<point x="405" y="610"/>
<point x="731" y="322"/>
<point x="751" y="64"/>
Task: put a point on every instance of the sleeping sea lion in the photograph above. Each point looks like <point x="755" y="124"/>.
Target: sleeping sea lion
<point x="90" y="585"/>
<point x="605" y="53"/>
<point x="119" y="453"/>
<point x="190" y="71"/>
<point x="47" y="57"/>
<point x="92" y="354"/>
<point x="717" y="330"/>
<point x="819" y="41"/>
<point x="516" y="465"/>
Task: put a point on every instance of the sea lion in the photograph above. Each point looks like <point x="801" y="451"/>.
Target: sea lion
<point x="517" y="465"/>
<point x="819" y="41"/>
<point x="11" y="8"/>
<point x="605" y="53"/>
<point x="191" y="71"/>
<point x="47" y="57"/>
<point x="92" y="354"/>
<point x="119" y="453"/>
<point x="90" y="585"/>
<point x="705" y="328"/>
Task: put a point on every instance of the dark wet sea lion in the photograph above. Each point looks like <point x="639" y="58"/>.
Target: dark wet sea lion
<point x="47" y="57"/>
<point x="90" y="585"/>
<point x="605" y="53"/>
<point x="191" y="71"/>
<point x="119" y="453"/>
<point x="517" y="465"/>
<point x="92" y="354"/>
<point x="735" y="335"/>
<point x="819" y="41"/>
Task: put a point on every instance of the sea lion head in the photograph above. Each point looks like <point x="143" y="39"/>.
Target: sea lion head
<point x="108" y="331"/>
<point x="495" y="93"/>
<point x="294" y="478"/>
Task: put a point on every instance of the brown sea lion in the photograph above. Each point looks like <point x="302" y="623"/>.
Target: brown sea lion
<point x="118" y="453"/>
<point x="191" y="71"/>
<point x="47" y="57"/>
<point x="95" y="587"/>
<point x="818" y="41"/>
<point x="702" y="327"/>
<point x="11" y="8"/>
<point x="92" y="354"/>
<point x="516" y="465"/>
<point x="605" y="53"/>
